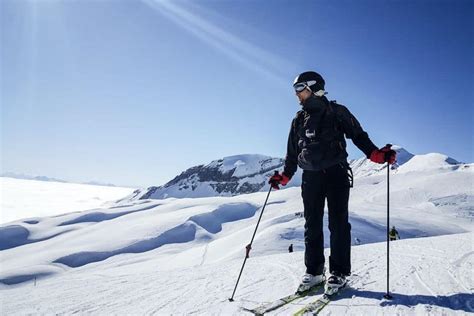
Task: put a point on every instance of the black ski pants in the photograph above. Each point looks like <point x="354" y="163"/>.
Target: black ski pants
<point x="317" y="186"/>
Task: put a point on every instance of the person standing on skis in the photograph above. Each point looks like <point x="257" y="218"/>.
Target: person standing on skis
<point x="393" y="234"/>
<point x="316" y="143"/>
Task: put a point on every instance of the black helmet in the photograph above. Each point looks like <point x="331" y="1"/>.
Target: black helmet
<point x="309" y="77"/>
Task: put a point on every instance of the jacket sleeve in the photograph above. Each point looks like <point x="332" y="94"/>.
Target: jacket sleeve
<point x="291" y="159"/>
<point x="353" y="130"/>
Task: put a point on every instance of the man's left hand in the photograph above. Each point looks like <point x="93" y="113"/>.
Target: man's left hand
<point x="384" y="154"/>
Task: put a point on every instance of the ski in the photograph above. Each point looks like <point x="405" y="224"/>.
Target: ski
<point x="268" y="307"/>
<point x="316" y="306"/>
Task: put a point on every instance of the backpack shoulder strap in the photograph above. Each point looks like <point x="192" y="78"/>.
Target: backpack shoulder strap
<point x="299" y="119"/>
<point x="336" y="109"/>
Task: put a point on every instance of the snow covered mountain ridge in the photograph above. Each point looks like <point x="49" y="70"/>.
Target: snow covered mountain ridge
<point x="243" y="174"/>
<point x="229" y="176"/>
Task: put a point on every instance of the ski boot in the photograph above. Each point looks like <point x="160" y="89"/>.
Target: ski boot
<point x="310" y="281"/>
<point x="335" y="282"/>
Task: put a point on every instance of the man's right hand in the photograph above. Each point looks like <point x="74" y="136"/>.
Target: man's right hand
<point x="277" y="179"/>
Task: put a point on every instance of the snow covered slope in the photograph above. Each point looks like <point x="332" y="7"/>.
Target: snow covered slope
<point x="428" y="276"/>
<point x="29" y="198"/>
<point x="429" y="161"/>
<point x="363" y="167"/>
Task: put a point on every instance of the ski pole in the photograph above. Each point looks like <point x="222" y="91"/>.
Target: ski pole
<point x="387" y="295"/>
<point x="249" y="246"/>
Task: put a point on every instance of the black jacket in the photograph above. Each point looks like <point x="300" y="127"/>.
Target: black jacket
<point x="316" y="140"/>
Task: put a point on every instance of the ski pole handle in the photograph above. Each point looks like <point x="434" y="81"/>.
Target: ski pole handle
<point x="247" y="249"/>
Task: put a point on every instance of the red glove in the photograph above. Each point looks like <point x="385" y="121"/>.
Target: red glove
<point x="384" y="154"/>
<point x="277" y="179"/>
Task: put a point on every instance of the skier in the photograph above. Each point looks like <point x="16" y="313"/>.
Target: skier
<point x="290" y="248"/>
<point x="393" y="234"/>
<point x="316" y="144"/>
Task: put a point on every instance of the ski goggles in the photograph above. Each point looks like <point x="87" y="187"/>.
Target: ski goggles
<point x="303" y="85"/>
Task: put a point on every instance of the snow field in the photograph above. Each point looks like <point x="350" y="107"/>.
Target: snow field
<point x="182" y="256"/>
<point x="428" y="276"/>
<point x="31" y="198"/>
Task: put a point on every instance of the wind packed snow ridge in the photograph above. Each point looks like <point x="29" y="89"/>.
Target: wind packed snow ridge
<point x="186" y="232"/>
<point x="100" y="217"/>
<point x="24" y="278"/>
<point x="17" y="235"/>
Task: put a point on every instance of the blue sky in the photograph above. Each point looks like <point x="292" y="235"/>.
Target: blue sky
<point x="134" y="92"/>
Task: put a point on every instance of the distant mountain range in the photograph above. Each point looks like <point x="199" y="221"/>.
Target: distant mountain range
<point x="48" y="179"/>
<point x="242" y="174"/>
<point x="249" y="173"/>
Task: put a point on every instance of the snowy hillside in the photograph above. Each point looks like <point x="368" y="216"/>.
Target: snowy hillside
<point x="30" y="198"/>
<point x="363" y="167"/>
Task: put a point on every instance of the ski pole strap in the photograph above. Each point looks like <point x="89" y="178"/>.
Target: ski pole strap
<point x="247" y="250"/>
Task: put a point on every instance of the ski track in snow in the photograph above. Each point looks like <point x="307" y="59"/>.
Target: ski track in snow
<point x="204" y="254"/>
<point x="460" y="266"/>
<point x="421" y="282"/>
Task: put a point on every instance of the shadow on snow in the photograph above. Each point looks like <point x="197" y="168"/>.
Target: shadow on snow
<point x="457" y="301"/>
